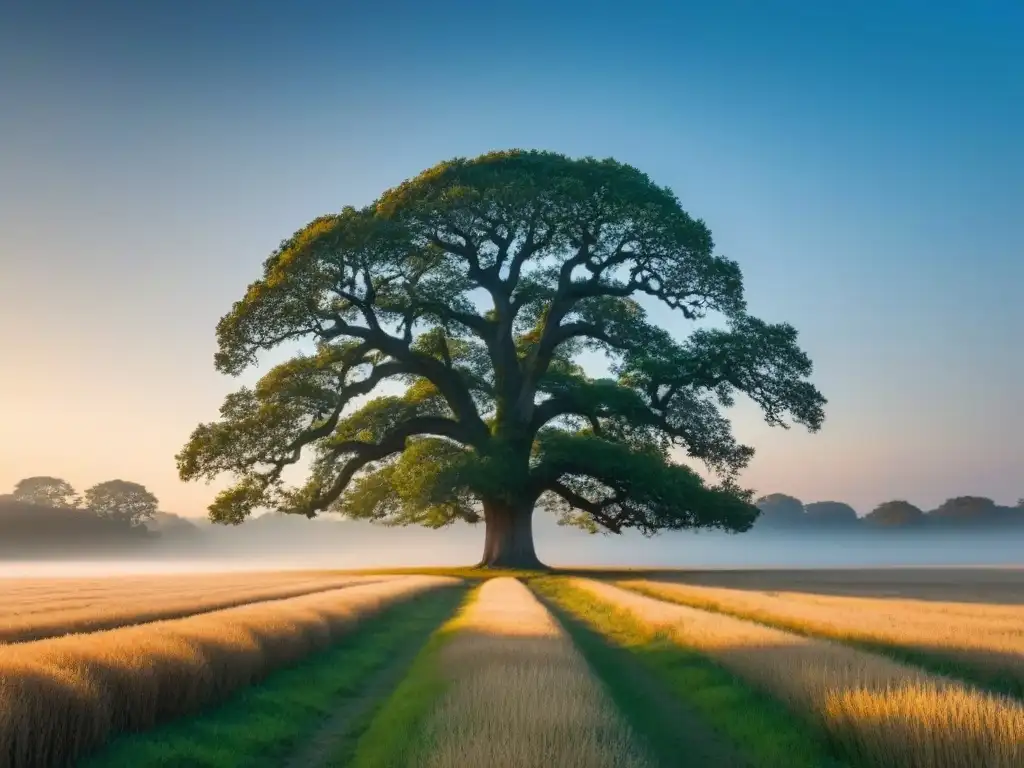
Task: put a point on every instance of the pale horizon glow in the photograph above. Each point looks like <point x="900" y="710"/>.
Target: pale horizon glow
<point x="864" y="166"/>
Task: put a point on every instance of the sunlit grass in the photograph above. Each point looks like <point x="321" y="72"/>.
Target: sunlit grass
<point x="62" y="697"/>
<point x="875" y="711"/>
<point x="760" y="729"/>
<point x="508" y="689"/>
<point x="392" y="738"/>
<point x="978" y="642"/>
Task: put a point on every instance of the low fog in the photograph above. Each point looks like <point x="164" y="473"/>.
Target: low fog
<point x="275" y="542"/>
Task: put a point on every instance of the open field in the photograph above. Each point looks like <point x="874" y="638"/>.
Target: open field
<point x="62" y="697"/>
<point x="689" y="710"/>
<point x="989" y="585"/>
<point x="34" y="609"/>
<point x="300" y="715"/>
<point x="511" y="689"/>
<point x="874" y="710"/>
<point x="980" y="643"/>
<point x="460" y="667"/>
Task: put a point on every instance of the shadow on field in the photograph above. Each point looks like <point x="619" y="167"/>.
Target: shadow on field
<point x="871" y="710"/>
<point x="674" y="733"/>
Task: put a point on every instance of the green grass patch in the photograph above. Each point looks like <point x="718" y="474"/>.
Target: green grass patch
<point x="762" y="729"/>
<point x="264" y="724"/>
<point x="931" y="660"/>
<point x="393" y="738"/>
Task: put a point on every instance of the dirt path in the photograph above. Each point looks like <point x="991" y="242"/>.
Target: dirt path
<point x="675" y="734"/>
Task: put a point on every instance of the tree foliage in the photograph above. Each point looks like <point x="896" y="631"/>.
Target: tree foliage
<point x="830" y="513"/>
<point x="897" y="513"/>
<point x="476" y="286"/>
<point x="46" y="491"/>
<point x="121" y="500"/>
<point x="778" y="509"/>
<point x="965" y="509"/>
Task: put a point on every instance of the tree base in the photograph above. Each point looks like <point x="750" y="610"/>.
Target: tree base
<point x="508" y="541"/>
<point x="512" y="564"/>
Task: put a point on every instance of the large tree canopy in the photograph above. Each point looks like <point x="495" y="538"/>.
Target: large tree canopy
<point x="476" y="286"/>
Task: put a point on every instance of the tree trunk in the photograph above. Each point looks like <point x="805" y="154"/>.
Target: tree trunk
<point x="508" y="541"/>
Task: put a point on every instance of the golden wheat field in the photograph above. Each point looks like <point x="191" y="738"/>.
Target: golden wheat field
<point x="478" y="668"/>
<point x="62" y="696"/>
<point x="999" y="586"/>
<point x="888" y="712"/>
<point x="988" y="639"/>
<point x="37" y="608"/>
<point x="520" y="694"/>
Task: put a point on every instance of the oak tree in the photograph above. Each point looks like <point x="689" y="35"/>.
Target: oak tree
<point x="471" y="295"/>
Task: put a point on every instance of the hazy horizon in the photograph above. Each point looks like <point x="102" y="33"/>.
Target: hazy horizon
<point x="863" y="165"/>
<point x="362" y="545"/>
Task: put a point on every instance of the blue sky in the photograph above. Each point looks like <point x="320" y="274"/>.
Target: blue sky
<point x="862" y="161"/>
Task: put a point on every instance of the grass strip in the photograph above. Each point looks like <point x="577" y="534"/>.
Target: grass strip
<point x="393" y="737"/>
<point x="999" y="672"/>
<point x="263" y="724"/>
<point x="674" y="733"/>
<point x="764" y="732"/>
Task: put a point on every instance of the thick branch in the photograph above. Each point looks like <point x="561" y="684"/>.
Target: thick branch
<point x="394" y="442"/>
<point x="594" y="509"/>
<point x="447" y="380"/>
<point x="496" y="334"/>
<point x="293" y="450"/>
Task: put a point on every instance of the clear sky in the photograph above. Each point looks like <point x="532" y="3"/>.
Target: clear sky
<point x="863" y="161"/>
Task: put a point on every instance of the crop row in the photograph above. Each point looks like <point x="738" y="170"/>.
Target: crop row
<point x="505" y="682"/>
<point x="33" y="614"/>
<point x="874" y="711"/>
<point x="62" y="697"/>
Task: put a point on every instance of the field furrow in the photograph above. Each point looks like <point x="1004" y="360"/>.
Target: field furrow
<point x="503" y="686"/>
<point x="874" y="711"/>
<point x="980" y="643"/>
<point x="53" y="610"/>
<point x="61" y="698"/>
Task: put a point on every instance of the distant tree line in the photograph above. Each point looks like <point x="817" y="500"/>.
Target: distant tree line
<point x="781" y="511"/>
<point x="46" y="517"/>
<point x="121" y="501"/>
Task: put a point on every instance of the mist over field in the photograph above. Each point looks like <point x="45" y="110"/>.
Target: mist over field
<point x="299" y="543"/>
